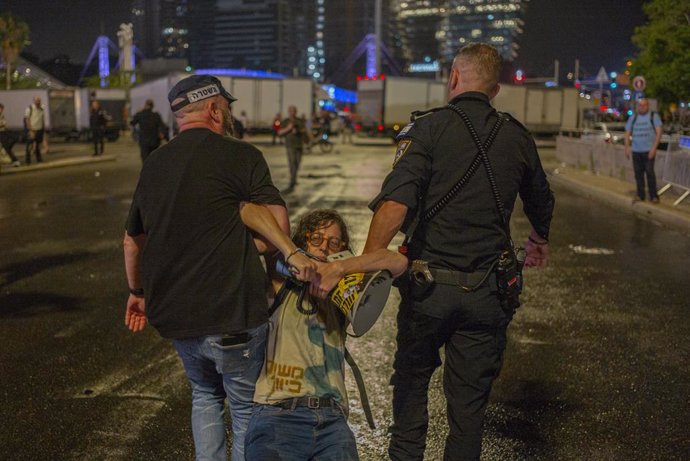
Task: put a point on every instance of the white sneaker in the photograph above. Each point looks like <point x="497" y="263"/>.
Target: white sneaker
<point x="16" y="163"/>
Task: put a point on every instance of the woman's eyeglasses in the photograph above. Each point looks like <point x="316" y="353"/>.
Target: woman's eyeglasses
<point x="334" y="243"/>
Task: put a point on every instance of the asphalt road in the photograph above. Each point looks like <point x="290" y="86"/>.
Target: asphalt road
<point x="596" y="367"/>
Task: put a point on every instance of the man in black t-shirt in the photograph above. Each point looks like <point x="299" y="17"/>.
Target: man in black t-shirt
<point x="151" y="128"/>
<point x="193" y="264"/>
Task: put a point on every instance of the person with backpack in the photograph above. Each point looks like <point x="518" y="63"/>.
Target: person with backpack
<point x="301" y="403"/>
<point x="645" y="129"/>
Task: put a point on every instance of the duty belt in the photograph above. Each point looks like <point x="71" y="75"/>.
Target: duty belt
<point x="306" y="401"/>
<point x="462" y="279"/>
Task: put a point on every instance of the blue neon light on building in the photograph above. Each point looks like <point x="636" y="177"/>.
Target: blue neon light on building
<point x="240" y="73"/>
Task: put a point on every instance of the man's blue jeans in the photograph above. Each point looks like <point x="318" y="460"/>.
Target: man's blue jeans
<point x="302" y="434"/>
<point x="216" y="372"/>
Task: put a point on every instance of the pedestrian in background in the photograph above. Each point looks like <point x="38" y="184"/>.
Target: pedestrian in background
<point x="644" y="128"/>
<point x="193" y="265"/>
<point x="98" y="120"/>
<point x="346" y="129"/>
<point x="275" y="129"/>
<point x="244" y="119"/>
<point x="7" y="139"/>
<point x="310" y="335"/>
<point x="461" y="292"/>
<point x="294" y="130"/>
<point x="34" y="121"/>
<point x="150" y="127"/>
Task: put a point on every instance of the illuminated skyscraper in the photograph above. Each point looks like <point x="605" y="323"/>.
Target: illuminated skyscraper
<point x="436" y="29"/>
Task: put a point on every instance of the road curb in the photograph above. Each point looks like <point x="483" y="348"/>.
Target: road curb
<point x="642" y="209"/>
<point x="46" y="165"/>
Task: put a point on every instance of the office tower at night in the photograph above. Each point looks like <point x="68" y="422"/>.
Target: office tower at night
<point x="435" y="29"/>
<point x="268" y="35"/>
<point x="160" y="28"/>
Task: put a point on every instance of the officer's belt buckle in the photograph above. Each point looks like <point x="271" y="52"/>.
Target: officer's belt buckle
<point x="313" y="403"/>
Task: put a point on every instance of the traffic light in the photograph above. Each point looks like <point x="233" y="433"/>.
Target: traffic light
<point x="519" y="77"/>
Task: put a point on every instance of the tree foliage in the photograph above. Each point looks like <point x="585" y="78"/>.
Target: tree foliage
<point x="14" y="35"/>
<point x="664" y="44"/>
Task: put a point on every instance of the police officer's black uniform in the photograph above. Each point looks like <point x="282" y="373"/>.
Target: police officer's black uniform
<point x="464" y="239"/>
<point x="151" y="128"/>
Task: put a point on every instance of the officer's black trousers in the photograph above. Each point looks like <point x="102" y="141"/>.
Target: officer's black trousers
<point x="472" y="328"/>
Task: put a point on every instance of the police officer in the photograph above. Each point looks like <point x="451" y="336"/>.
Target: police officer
<point x="455" y="296"/>
<point x="151" y="128"/>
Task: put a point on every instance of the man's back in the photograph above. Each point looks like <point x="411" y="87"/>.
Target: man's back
<point x="201" y="269"/>
<point x="150" y="125"/>
<point x="467" y="233"/>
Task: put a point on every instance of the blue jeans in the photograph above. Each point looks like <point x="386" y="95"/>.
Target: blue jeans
<point x="302" y="434"/>
<point x="216" y="372"/>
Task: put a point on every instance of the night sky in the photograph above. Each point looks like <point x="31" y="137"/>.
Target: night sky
<point x="595" y="31"/>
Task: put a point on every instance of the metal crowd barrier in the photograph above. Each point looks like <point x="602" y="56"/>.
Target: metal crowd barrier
<point x="609" y="159"/>
<point x="676" y="172"/>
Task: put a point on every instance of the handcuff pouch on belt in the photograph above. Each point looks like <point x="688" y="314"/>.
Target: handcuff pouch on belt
<point x="421" y="278"/>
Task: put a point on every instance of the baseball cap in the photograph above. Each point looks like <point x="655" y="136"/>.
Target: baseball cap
<point x="196" y="88"/>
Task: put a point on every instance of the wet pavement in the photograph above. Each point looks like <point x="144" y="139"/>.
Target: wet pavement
<point x="596" y="365"/>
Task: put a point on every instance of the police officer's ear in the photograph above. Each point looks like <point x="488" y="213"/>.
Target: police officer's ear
<point x="453" y="79"/>
<point x="494" y="91"/>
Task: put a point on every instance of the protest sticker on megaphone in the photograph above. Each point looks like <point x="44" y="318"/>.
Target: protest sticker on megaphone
<point x="361" y="297"/>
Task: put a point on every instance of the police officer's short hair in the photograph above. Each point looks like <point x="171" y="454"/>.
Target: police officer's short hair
<point x="486" y="60"/>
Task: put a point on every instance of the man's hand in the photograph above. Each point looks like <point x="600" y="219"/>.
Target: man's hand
<point x="652" y="153"/>
<point x="627" y="152"/>
<point x="537" y="253"/>
<point x="135" y="315"/>
<point x="330" y="274"/>
<point x="304" y="267"/>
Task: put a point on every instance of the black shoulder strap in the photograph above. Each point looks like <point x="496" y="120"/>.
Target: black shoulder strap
<point x="484" y="155"/>
<point x="426" y="215"/>
<point x="481" y="152"/>
<point x="361" y="388"/>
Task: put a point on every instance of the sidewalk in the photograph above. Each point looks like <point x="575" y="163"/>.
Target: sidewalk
<point x="59" y="155"/>
<point x="619" y="194"/>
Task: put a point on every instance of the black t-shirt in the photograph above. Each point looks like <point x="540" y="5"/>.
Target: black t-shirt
<point x="201" y="270"/>
<point x="150" y="127"/>
<point x="433" y="154"/>
<point x="97" y="119"/>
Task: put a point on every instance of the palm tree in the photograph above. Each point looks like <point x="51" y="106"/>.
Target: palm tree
<point x="14" y="35"/>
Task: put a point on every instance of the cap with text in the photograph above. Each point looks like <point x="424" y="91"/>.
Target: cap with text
<point x="196" y="88"/>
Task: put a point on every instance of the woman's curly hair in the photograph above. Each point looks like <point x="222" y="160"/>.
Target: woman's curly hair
<point x="315" y="220"/>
